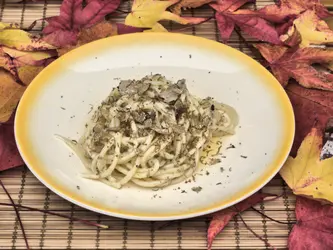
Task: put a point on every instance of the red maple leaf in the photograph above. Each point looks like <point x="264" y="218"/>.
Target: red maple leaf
<point x="285" y="9"/>
<point x="9" y="155"/>
<point x="221" y="218"/>
<point x="248" y="21"/>
<point x="297" y="63"/>
<point x="314" y="227"/>
<point x="312" y="107"/>
<point x="62" y="30"/>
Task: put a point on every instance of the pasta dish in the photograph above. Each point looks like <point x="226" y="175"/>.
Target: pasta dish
<point x="150" y="132"/>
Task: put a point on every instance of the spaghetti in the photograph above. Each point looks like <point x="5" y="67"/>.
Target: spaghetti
<point x="150" y="132"/>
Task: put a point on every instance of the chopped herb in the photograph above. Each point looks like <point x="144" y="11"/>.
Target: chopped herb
<point x="155" y="195"/>
<point x="62" y="108"/>
<point x="183" y="191"/>
<point x="227" y="176"/>
<point x="78" y="187"/>
<point x="221" y="169"/>
<point x="243" y="156"/>
<point x="196" y="189"/>
<point x="230" y="169"/>
<point x="219" y="183"/>
<point x="96" y="57"/>
<point x="231" y="146"/>
<point x="74" y="141"/>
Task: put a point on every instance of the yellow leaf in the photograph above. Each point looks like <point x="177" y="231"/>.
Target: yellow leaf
<point x="27" y="57"/>
<point x="27" y="73"/>
<point x="9" y="26"/>
<point x="157" y="28"/>
<point x="13" y="37"/>
<point x="10" y="94"/>
<point x="147" y="13"/>
<point x="306" y="174"/>
<point x="311" y="29"/>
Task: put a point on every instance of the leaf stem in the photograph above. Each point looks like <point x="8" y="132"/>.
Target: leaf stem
<point x="17" y="214"/>
<point x="254" y="233"/>
<point x="272" y="219"/>
<point x="90" y="223"/>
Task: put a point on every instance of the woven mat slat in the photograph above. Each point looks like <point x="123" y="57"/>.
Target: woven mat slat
<point x="51" y="232"/>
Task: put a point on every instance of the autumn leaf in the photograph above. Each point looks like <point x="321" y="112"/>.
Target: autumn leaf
<point x="295" y="63"/>
<point x="147" y="14"/>
<point x="9" y="155"/>
<point x="63" y="30"/>
<point x="10" y="94"/>
<point x="227" y="17"/>
<point x="311" y="107"/>
<point x="280" y="13"/>
<point x="25" y="65"/>
<point x="314" y="226"/>
<point x="221" y="218"/>
<point x="13" y="37"/>
<point x="306" y="174"/>
<point x="310" y="29"/>
<point x="188" y="4"/>
<point x="100" y="30"/>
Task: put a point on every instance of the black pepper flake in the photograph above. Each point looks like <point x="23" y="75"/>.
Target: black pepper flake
<point x="78" y="187"/>
<point x="190" y="56"/>
<point x="243" y="156"/>
<point x="231" y="146"/>
<point x="222" y="169"/>
<point x="62" y="96"/>
<point x="183" y="192"/>
<point x="219" y="183"/>
<point x="209" y="72"/>
<point x="62" y="108"/>
<point x="196" y="189"/>
<point x="212" y="107"/>
<point x="265" y="153"/>
<point x="161" y="56"/>
<point x="207" y="173"/>
<point x="96" y="57"/>
<point x="227" y="176"/>
<point x="230" y="169"/>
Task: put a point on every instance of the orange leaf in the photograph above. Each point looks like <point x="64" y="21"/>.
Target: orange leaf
<point x="10" y="94"/>
<point x="296" y="63"/>
<point x="100" y="30"/>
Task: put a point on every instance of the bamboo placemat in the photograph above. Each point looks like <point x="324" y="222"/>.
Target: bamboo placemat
<point x="50" y="232"/>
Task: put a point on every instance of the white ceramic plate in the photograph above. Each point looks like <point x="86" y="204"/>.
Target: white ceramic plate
<point x="60" y="99"/>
